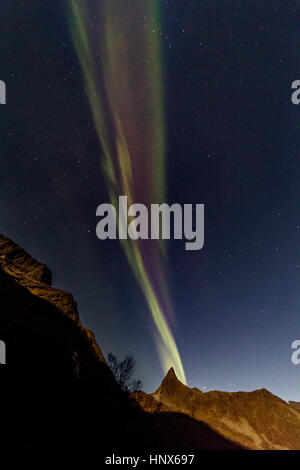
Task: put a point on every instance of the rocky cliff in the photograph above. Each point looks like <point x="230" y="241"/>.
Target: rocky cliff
<point x="55" y="369"/>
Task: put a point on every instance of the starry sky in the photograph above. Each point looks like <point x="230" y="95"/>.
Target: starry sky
<point x="233" y="144"/>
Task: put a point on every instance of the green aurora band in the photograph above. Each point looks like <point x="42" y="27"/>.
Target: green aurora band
<point x="118" y="46"/>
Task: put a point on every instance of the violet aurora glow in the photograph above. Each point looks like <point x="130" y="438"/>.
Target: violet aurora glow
<point x="120" y="55"/>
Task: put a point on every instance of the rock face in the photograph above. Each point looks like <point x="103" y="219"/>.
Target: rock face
<point x="254" y="420"/>
<point x="35" y="316"/>
<point x="55" y="369"/>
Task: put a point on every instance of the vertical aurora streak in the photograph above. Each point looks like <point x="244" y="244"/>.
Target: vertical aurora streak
<point x="119" y="52"/>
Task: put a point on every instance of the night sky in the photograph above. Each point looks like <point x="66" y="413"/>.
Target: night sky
<point x="233" y="144"/>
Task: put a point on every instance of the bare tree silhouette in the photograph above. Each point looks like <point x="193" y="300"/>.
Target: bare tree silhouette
<point x="124" y="371"/>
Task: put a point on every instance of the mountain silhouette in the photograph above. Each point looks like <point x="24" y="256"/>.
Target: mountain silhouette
<point x="254" y="420"/>
<point x="57" y="392"/>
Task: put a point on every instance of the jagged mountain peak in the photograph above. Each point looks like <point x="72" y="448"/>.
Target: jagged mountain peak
<point x="170" y="381"/>
<point x="171" y="376"/>
<point x="170" y="386"/>
<point x="295" y="405"/>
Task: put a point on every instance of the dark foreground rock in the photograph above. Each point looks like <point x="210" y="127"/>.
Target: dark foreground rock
<point x="57" y="392"/>
<point x="255" y="420"/>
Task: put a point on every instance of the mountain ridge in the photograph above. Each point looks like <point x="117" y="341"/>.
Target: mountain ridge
<point x="57" y="380"/>
<point x="57" y="390"/>
<point x="255" y="420"/>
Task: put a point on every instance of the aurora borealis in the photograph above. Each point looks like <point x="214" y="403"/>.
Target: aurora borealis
<point x="215" y="124"/>
<point x="125" y="92"/>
